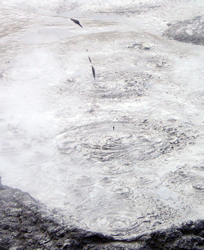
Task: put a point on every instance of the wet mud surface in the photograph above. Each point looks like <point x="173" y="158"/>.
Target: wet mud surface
<point x="119" y="152"/>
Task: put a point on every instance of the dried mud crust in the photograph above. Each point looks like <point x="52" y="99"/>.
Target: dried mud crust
<point x="189" y="31"/>
<point x="23" y="226"/>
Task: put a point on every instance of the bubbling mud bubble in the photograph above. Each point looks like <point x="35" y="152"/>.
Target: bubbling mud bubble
<point x="140" y="46"/>
<point x="199" y="186"/>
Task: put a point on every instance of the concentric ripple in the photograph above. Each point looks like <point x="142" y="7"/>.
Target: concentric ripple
<point x="185" y="181"/>
<point x="124" y="143"/>
<point x="121" y="217"/>
<point x="197" y="98"/>
<point x="99" y="142"/>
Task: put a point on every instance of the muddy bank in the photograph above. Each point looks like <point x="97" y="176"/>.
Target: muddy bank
<point x="26" y="224"/>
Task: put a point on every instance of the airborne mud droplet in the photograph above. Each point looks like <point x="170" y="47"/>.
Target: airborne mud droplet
<point x="93" y="71"/>
<point x="76" y="21"/>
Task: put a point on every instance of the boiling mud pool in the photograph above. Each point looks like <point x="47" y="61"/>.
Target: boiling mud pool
<point x="121" y="154"/>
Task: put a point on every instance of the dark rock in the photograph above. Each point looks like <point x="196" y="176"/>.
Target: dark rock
<point x="26" y="224"/>
<point x="189" y="31"/>
<point x="1" y="186"/>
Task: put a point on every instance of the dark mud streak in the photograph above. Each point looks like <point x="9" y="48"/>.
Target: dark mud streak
<point x="26" y="224"/>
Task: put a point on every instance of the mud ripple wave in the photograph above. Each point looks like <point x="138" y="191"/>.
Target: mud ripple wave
<point x="185" y="181"/>
<point x="127" y="142"/>
<point x="113" y="219"/>
<point x="197" y="97"/>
